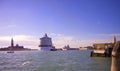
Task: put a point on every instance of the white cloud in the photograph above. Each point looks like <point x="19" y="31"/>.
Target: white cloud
<point x="60" y="40"/>
<point x="91" y="42"/>
<point x="8" y="26"/>
<point x="16" y="37"/>
<point x="110" y="34"/>
<point x="11" y="26"/>
<point x="26" y="40"/>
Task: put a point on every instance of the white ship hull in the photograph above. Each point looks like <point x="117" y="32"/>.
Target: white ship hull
<point x="46" y="48"/>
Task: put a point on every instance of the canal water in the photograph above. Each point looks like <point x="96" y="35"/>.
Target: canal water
<point x="73" y="60"/>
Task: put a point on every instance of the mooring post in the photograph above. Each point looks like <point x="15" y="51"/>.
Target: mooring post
<point x="115" y="63"/>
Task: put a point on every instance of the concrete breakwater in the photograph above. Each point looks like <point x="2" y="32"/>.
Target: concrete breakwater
<point x="115" y="63"/>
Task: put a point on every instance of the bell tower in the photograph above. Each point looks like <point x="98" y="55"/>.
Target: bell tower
<point x="12" y="43"/>
<point x="114" y="39"/>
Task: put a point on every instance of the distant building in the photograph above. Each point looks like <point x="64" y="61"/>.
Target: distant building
<point x="66" y="47"/>
<point x="69" y="48"/>
<point x="89" y="47"/>
<point x="14" y="48"/>
<point x="46" y="43"/>
<point x="82" y="48"/>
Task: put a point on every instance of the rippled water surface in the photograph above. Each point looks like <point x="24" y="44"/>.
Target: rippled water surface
<point x="52" y="61"/>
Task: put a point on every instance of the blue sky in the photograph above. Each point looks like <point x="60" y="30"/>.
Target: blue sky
<point x="74" y="22"/>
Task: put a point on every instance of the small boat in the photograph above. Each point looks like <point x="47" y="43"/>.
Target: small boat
<point x="53" y="49"/>
<point x="10" y="52"/>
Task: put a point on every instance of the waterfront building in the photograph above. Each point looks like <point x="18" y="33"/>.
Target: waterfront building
<point x="103" y="46"/>
<point x="103" y="49"/>
<point x="46" y="43"/>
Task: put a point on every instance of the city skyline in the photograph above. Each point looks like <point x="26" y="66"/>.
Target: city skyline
<point x="74" y="22"/>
